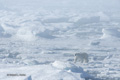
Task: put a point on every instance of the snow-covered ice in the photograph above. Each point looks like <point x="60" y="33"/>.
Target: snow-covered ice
<point x="38" y="39"/>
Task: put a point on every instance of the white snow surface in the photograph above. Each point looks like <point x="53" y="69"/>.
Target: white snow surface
<point x="44" y="72"/>
<point x="38" y="42"/>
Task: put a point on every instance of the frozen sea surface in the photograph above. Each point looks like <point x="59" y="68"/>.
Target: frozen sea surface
<point x="40" y="44"/>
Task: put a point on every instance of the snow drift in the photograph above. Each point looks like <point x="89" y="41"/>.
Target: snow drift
<point x="110" y="33"/>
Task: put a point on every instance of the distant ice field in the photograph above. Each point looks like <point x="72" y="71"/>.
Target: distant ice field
<point x="41" y="44"/>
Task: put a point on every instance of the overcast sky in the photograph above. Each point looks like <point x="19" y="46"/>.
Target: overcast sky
<point x="86" y="4"/>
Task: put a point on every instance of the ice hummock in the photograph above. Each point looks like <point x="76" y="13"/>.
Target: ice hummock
<point x="111" y="32"/>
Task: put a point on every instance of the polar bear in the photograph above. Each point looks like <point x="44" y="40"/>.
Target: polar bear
<point x="82" y="57"/>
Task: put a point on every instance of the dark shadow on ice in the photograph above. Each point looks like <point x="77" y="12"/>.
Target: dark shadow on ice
<point x="106" y="78"/>
<point x="64" y="49"/>
<point x="28" y="78"/>
<point x="70" y="60"/>
<point x="6" y="35"/>
<point x="68" y="55"/>
<point x="46" y="62"/>
<point x="3" y="34"/>
<point x="94" y="43"/>
<point x="84" y="74"/>
<point x="82" y="21"/>
<point x="56" y="20"/>
<point x="93" y="79"/>
<point x="2" y="49"/>
<point x="46" y="34"/>
<point x="77" y="69"/>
